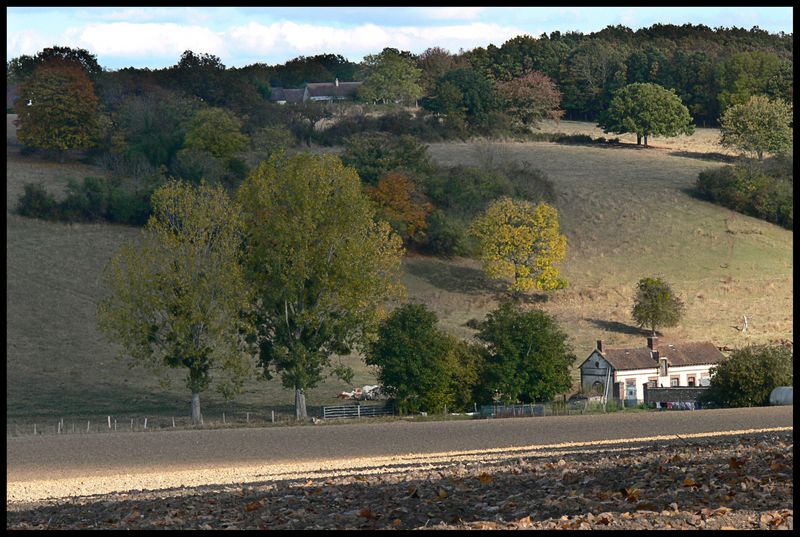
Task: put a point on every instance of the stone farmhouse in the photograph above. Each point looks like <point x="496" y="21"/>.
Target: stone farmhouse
<point x="316" y="91"/>
<point x="622" y="373"/>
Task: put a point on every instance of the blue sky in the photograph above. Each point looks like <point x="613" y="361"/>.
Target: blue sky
<point x="155" y="37"/>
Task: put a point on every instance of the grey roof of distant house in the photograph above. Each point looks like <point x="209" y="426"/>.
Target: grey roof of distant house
<point x="677" y="354"/>
<point x="325" y="89"/>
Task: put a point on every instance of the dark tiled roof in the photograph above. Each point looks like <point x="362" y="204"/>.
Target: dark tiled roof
<point x="678" y="354"/>
<point x="286" y="94"/>
<point x="325" y="89"/>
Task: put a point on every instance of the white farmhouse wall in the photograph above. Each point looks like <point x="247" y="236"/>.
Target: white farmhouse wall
<point x="641" y="376"/>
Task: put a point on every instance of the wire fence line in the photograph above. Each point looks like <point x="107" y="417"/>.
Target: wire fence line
<point x="142" y="423"/>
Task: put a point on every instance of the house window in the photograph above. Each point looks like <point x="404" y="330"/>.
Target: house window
<point x="674" y="381"/>
<point x="690" y="380"/>
<point x="651" y="382"/>
<point x="597" y="364"/>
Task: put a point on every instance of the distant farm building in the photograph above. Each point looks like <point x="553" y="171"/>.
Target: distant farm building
<point x="622" y="373"/>
<point x="316" y="91"/>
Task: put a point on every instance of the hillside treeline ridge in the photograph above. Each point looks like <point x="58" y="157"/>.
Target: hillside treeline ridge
<point x="709" y="69"/>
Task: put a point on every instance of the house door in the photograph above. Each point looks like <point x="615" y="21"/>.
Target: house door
<point x="630" y="389"/>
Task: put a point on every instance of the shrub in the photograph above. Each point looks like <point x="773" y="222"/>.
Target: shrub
<point x="374" y="154"/>
<point x="86" y="201"/>
<point x="194" y="165"/>
<point x="445" y="236"/>
<point x="761" y="190"/>
<point x="467" y="190"/>
<point x="272" y="139"/>
<point x="36" y="202"/>
<point x="747" y="377"/>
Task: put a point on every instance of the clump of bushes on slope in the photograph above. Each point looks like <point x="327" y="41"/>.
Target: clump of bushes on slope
<point x="763" y="190"/>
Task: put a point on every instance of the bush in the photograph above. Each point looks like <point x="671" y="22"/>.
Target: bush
<point x="272" y="139"/>
<point x="86" y="201"/>
<point x="445" y="236"/>
<point x="748" y="376"/>
<point x="93" y="199"/>
<point x="36" y="202"/>
<point x="761" y="190"/>
<point x="467" y="190"/>
<point x="374" y="154"/>
<point x="194" y="165"/>
<point x="573" y="139"/>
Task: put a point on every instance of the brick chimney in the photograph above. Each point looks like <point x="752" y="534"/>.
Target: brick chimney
<point x="652" y="343"/>
<point x="600" y="345"/>
<point x="655" y="356"/>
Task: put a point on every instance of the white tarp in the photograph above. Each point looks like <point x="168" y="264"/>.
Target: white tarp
<point x="782" y="395"/>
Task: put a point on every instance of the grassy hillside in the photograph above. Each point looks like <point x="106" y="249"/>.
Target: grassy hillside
<point x="625" y="211"/>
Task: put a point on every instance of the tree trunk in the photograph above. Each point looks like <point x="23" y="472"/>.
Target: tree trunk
<point x="645" y="140"/>
<point x="197" y="418"/>
<point x="300" y="404"/>
<point x="638" y="139"/>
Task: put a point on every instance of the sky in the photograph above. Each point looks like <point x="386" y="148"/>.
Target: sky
<point x="155" y="37"/>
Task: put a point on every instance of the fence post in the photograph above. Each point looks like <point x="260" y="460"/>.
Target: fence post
<point x="109" y="422"/>
<point x="131" y="424"/>
<point x="145" y="423"/>
<point x="358" y="409"/>
<point x="34" y="428"/>
<point x="88" y="425"/>
<point x="273" y="416"/>
<point x="223" y="418"/>
<point x="115" y="424"/>
<point x="173" y="422"/>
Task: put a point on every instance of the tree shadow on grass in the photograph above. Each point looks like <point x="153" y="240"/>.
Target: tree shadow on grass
<point x="453" y="278"/>
<point x="712" y="156"/>
<point x="620" y="328"/>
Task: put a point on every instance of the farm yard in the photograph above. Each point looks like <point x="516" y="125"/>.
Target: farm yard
<point x="627" y="212"/>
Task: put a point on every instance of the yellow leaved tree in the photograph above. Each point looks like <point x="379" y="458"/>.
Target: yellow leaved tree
<point x="520" y="242"/>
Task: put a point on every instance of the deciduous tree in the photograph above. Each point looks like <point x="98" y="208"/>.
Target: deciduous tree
<point x="322" y="266"/>
<point x="521" y="243"/>
<point x="656" y="304"/>
<point x="528" y="357"/>
<point x="63" y="110"/>
<point x="646" y="110"/>
<point x="217" y="132"/>
<point x="758" y="126"/>
<point x="392" y="76"/>
<point x="399" y="203"/>
<point x="415" y="359"/>
<point x="179" y="299"/>
<point x="530" y="99"/>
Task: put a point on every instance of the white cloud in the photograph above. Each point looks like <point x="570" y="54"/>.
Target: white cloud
<point x="291" y="38"/>
<point x="149" y="39"/>
<point x="26" y="42"/>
